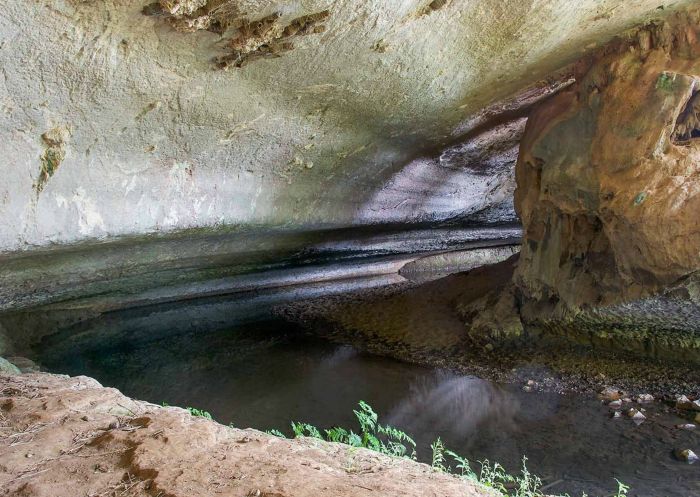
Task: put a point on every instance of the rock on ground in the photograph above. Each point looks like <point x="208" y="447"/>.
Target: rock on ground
<point x="63" y="437"/>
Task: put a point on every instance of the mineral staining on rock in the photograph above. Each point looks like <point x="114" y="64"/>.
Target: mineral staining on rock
<point x="51" y="159"/>
<point x="265" y="37"/>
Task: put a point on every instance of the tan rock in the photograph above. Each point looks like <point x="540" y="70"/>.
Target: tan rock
<point x="608" y="184"/>
<point x="86" y="439"/>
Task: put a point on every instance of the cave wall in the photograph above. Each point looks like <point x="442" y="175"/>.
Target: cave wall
<point x="608" y="192"/>
<point x="117" y="117"/>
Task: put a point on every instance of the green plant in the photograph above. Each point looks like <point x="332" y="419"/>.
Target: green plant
<point x="622" y="489"/>
<point x="372" y="435"/>
<point x="665" y="82"/>
<point x="276" y="433"/>
<point x="465" y="469"/>
<point x="305" y="430"/>
<point x="438" y="461"/>
<point x="198" y="412"/>
<point x="392" y="441"/>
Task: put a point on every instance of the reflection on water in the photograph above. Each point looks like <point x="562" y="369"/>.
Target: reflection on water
<point x="265" y="374"/>
<point x="455" y="407"/>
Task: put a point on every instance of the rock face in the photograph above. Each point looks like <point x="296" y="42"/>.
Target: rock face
<point x="609" y="190"/>
<point x="116" y="119"/>
<point x="63" y="437"/>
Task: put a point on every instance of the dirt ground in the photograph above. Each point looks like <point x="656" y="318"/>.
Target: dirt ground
<point x="70" y="437"/>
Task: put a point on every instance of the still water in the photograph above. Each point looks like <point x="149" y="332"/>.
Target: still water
<point x="266" y="374"/>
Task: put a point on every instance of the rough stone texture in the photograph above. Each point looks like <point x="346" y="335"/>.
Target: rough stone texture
<point x="156" y="139"/>
<point x="609" y="191"/>
<point x="63" y="437"/>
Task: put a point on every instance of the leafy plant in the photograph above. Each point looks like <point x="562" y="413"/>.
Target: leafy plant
<point x="372" y="435"/>
<point x="438" y="449"/>
<point x="305" y="430"/>
<point x="198" y="412"/>
<point x="622" y="489"/>
<point x="276" y="433"/>
<point x="665" y="82"/>
<point x="392" y="441"/>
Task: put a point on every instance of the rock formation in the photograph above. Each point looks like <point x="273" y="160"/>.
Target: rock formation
<point x="609" y="191"/>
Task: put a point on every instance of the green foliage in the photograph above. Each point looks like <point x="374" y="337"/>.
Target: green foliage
<point x="463" y="466"/>
<point x="372" y="435"/>
<point x="305" y="430"/>
<point x="394" y="442"/>
<point x="276" y="433"/>
<point x="198" y="412"/>
<point x="622" y="489"/>
<point x="438" y="449"/>
<point x="665" y="82"/>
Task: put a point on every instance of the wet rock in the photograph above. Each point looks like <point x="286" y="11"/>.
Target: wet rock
<point x="611" y="393"/>
<point x="685" y="455"/>
<point x="616" y="414"/>
<point x="7" y="367"/>
<point x="615" y="404"/>
<point x="25" y="365"/>
<point x="637" y="416"/>
<point x="645" y="398"/>
<point x="686" y="426"/>
<point x="682" y="402"/>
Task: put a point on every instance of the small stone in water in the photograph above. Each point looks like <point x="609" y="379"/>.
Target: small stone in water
<point x="527" y="388"/>
<point x="615" y="404"/>
<point x="615" y="414"/>
<point x="645" y="398"/>
<point x="685" y="455"/>
<point x="687" y="426"/>
<point x="683" y="402"/>
<point x="611" y="393"/>
<point x="636" y="416"/>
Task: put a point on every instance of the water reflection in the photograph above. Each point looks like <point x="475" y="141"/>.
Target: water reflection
<point x="456" y="407"/>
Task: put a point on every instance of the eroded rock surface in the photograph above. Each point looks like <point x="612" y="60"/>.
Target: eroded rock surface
<point x="162" y="141"/>
<point x="63" y="437"/>
<point x="609" y="190"/>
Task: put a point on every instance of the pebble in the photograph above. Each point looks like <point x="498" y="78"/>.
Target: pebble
<point x="615" y="414"/>
<point x="682" y="402"/>
<point x="685" y="455"/>
<point x="687" y="426"/>
<point x="611" y="393"/>
<point x="615" y="404"/>
<point x="645" y="398"/>
<point x="636" y="416"/>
